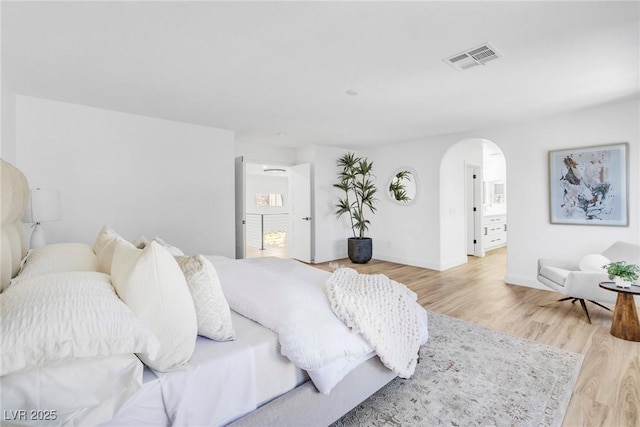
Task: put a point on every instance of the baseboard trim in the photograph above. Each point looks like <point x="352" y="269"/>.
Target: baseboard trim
<point x="405" y="261"/>
<point x="453" y="263"/>
<point x="420" y="263"/>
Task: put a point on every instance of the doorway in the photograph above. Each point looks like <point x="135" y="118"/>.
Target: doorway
<point x="473" y="216"/>
<point x="269" y="199"/>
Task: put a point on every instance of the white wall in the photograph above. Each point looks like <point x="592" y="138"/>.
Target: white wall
<point x="453" y="214"/>
<point x="8" y="128"/>
<point x="526" y="148"/>
<point x="264" y="153"/>
<point x="264" y="184"/>
<point x="137" y="174"/>
<point x="408" y="234"/>
<point x="412" y="234"/>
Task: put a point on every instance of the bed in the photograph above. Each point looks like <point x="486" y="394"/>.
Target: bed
<point x="87" y="340"/>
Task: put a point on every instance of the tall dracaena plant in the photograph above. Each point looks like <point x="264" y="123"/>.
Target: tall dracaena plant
<point x="355" y="180"/>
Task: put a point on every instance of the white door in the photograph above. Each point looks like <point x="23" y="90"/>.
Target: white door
<point x="473" y="193"/>
<point x="240" y="206"/>
<point x="301" y="219"/>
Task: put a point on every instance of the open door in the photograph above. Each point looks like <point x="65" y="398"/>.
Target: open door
<point x="473" y="192"/>
<point x="240" y="208"/>
<point x="301" y="218"/>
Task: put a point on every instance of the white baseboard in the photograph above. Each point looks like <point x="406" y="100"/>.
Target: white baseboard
<point x="407" y="261"/>
<point x="453" y="263"/>
<point x="421" y="263"/>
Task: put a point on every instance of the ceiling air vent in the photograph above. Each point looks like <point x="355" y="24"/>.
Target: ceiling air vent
<point x="470" y="58"/>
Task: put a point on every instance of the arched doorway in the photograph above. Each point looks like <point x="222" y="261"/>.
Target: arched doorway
<point x="473" y="205"/>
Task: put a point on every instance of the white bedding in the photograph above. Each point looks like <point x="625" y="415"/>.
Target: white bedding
<point x="287" y="296"/>
<point x="310" y="335"/>
<point x="78" y="393"/>
<point x="274" y="373"/>
<point x="224" y="381"/>
<point x="145" y="408"/>
<point x="217" y="386"/>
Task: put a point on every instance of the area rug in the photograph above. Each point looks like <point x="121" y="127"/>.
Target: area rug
<point x="469" y="375"/>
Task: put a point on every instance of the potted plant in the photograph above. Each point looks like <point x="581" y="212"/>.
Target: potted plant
<point x="622" y="274"/>
<point x="355" y="180"/>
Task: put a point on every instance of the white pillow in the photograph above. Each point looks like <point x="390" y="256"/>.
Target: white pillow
<point x="212" y="309"/>
<point x="151" y="283"/>
<point x="62" y="316"/>
<point x="104" y="247"/>
<point x="105" y="235"/>
<point x="140" y="242"/>
<point x="173" y="250"/>
<point x="57" y="258"/>
<point x="105" y="256"/>
<point x="593" y="262"/>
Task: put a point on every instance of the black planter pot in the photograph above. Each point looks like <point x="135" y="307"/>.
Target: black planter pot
<point x="360" y="249"/>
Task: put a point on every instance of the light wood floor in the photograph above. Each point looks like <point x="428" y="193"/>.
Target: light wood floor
<point x="608" y="389"/>
<point x="255" y="252"/>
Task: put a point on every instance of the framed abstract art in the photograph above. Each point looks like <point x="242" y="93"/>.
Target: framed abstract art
<point x="589" y="185"/>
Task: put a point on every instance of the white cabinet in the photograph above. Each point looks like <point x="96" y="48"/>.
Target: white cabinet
<point x="494" y="231"/>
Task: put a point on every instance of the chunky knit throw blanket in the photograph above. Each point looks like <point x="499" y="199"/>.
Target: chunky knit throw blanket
<point x="382" y="311"/>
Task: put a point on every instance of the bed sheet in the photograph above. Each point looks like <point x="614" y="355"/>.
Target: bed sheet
<point x="145" y="408"/>
<point x="83" y="392"/>
<point x="224" y="381"/>
<point x="275" y="374"/>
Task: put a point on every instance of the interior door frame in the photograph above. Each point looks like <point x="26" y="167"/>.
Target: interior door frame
<point x="240" y="205"/>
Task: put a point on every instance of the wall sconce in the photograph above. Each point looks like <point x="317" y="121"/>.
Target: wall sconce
<point x="44" y="206"/>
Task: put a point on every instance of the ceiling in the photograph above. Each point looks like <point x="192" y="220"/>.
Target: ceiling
<point x="278" y="72"/>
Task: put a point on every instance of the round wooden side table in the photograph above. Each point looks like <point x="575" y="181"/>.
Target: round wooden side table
<point x="625" y="324"/>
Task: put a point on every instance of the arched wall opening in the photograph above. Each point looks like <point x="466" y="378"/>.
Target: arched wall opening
<point x="463" y="230"/>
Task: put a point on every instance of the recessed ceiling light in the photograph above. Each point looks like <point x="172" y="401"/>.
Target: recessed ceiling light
<point x="352" y="92"/>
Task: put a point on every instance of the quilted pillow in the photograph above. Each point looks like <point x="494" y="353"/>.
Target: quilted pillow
<point x="593" y="262"/>
<point x="212" y="309"/>
<point x="57" y="258"/>
<point x="57" y="317"/>
<point x="151" y="283"/>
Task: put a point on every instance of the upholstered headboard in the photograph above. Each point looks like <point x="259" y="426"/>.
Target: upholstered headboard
<point x="15" y="196"/>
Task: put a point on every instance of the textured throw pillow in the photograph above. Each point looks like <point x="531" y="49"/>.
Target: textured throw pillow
<point x="593" y="262"/>
<point x="57" y="258"/>
<point x="151" y="283"/>
<point x="57" y="317"/>
<point x="212" y="309"/>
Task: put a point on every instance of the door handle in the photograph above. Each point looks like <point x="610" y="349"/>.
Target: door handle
<point x="307" y="218"/>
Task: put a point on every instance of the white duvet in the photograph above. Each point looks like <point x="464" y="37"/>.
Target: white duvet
<point x="310" y="335"/>
<point x="287" y="297"/>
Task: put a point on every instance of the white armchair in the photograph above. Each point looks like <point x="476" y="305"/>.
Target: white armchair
<point x="582" y="284"/>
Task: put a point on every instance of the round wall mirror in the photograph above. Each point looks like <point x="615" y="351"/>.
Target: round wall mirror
<point x="403" y="186"/>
